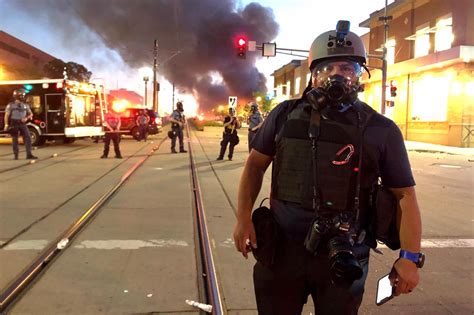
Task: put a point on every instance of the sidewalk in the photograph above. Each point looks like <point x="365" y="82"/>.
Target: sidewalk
<point x="437" y="148"/>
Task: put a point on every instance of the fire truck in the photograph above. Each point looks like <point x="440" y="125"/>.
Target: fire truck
<point x="62" y="109"/>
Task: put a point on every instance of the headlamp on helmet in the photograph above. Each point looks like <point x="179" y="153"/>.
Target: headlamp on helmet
<point x="20" y="95"/>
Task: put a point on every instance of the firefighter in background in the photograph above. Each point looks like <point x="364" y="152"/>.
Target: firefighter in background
<point x="112" y="133"/>
<point x="17" y="113"/>
<point x="229" y="136"/>
<point x="142" y="122"/>
<point x="177" y="125"/>
<point x="255" y="120"/>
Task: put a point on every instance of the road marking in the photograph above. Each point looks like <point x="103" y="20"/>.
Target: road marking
<point x="444" y="243"/>
<point x="228" y="243"/>
<point x="99" y="244"/>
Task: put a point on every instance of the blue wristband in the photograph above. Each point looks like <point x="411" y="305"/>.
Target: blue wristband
<point x="417" y="258"/>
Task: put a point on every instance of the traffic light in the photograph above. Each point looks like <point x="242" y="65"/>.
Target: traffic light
<point x="241" y="46"/>
<point x="393" y="88"/>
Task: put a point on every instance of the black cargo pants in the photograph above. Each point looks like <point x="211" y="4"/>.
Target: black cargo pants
<point x="284" y="288"/>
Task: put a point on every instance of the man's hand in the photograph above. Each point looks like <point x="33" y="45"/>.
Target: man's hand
<point x="407" y="276"/>
<point x="244" y="237"/>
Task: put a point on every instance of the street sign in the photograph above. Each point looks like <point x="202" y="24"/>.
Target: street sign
<point x="269" y="49"/>
<point x="232" y="101"/>
<point x="252" y="45"/>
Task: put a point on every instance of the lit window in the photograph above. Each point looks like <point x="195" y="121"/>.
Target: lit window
<point x="430" y="99"/>
<point x="308" y="77"/>
<point x="288" y="89"/>
<point x="444" y="34"/>
<point x="422" y="42"/>
<point x="297" y="85"/>
<point x="391" y="51"/>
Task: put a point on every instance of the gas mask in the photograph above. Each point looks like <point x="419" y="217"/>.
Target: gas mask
<point x="335" y="82"/>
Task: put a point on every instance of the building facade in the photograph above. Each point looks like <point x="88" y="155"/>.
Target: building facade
<point x="19" y="60"/>
<point x="430" y="57"/>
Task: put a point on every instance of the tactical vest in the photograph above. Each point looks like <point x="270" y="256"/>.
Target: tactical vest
<point x="337" y="163"/>
<point x="180" y="118"/>
<point x="18" y="111"/>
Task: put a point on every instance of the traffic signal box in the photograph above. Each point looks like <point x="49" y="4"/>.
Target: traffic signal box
<point x="393" y="88"/>
<point x="241" y="46"/>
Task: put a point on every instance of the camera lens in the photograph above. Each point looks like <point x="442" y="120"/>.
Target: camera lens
<point x="344" y="266"/>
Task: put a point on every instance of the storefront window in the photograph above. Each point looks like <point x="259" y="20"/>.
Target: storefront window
<point x="430" y="99"/>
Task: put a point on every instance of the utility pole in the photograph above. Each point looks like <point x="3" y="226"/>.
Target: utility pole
<point x="385" y="20"/>
<point x="155" y="85"/>
<point x="145" y="79"/>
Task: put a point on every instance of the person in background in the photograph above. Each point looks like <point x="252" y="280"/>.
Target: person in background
<point x="178" y="121"/>
<point x="255" y="121"/>
<point x="229" y="136"/>
<point x="112" y="133"/>
<point x="17" y="113"/>
<point x="142" y="122"/>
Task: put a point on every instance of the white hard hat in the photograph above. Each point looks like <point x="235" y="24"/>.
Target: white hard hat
<point x="331" y="44"/>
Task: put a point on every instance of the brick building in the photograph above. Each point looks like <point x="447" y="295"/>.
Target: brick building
<point x="19" y="60"/>
<point x="430" y="56"/>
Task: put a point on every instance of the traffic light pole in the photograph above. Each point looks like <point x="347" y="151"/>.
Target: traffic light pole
<point x="155" y="67"/>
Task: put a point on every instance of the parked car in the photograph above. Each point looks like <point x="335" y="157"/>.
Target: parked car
<point x="129" y="125"/>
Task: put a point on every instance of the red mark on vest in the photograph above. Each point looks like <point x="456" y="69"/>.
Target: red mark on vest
<point x="350" y="150"/>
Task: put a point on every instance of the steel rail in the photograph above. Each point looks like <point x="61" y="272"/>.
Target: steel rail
<point x="210" y="275"/>
<point x="29" y="226"/>
<point x="20" y="283"/>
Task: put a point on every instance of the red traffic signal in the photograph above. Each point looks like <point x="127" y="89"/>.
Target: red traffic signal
<point x="393" y="88"/>
<point x="241" y="46"/>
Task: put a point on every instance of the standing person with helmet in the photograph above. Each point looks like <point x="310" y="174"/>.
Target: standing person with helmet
<point x="142" y="122"/>
<point x="328" y="151"/>
<point x="255" y="121"/>
<point x="178" y="121"/>
<point x="112" y="133"/>
<point x="229" y="136"/>
<point x="17" y="113"/>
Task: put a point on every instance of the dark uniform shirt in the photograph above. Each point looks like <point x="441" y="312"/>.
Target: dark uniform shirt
<point x="387" y="141"/>
<point x="232" y="128"/>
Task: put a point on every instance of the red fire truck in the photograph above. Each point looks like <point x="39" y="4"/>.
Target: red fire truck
<point x="62" y="109"/>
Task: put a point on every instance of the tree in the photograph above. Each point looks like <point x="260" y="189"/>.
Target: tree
<point x="75" y="71"/>
<point x="265" y="102"/>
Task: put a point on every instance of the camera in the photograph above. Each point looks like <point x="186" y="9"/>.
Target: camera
<point x="332" y="235"/>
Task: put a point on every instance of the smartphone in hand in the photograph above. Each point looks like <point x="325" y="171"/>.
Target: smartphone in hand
<point x="385" y="290"/>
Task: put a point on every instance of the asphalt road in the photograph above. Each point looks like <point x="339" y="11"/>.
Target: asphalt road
<point x="137" y="255"/>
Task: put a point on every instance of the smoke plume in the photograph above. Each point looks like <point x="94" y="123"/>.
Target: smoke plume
<point x="203" y="31"/>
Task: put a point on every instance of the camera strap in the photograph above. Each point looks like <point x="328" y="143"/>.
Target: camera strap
<point x="314" y="131"/>
<point x="360" y="131"/>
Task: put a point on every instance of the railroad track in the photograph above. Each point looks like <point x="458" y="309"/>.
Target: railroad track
<point x="208" y="282"/>
<point x="21" y="282"/>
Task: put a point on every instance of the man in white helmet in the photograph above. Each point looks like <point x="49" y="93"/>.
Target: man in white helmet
<point x="328" y="151"/>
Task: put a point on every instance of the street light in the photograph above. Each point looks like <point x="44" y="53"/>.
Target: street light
<point x="258" y="99"/>
<point x="145" y="72"/>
